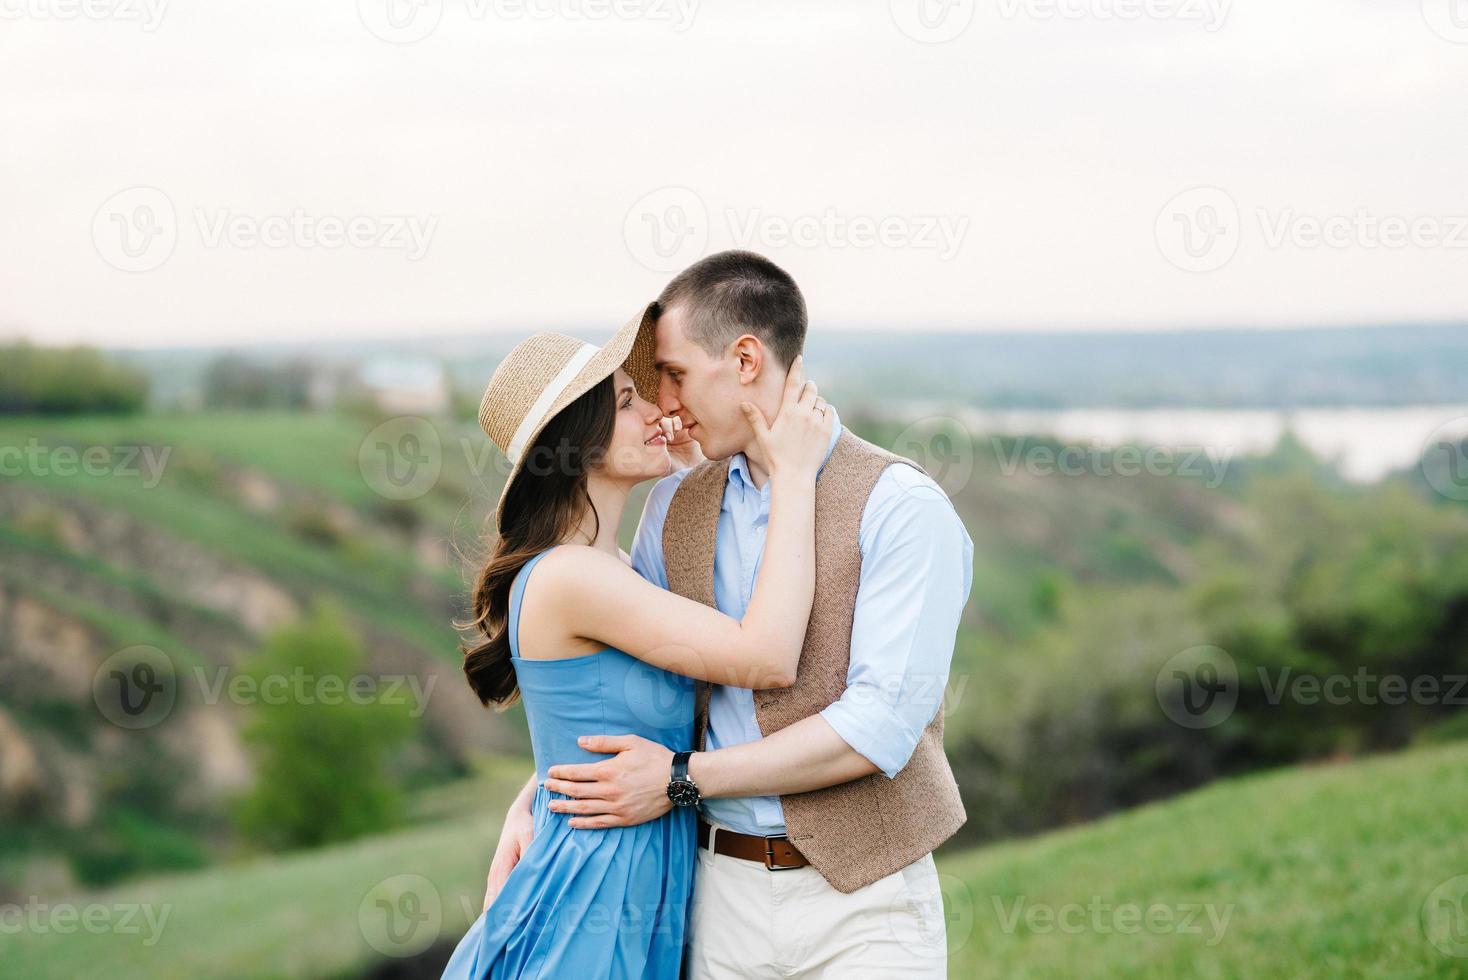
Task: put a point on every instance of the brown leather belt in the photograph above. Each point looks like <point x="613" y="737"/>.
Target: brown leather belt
<point x="775" y="853"/>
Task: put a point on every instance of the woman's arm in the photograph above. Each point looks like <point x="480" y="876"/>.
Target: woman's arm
<point x="602" y="599"/>
<point x="515" y="835"/>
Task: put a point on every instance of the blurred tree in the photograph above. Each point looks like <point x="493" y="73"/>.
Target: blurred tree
<point x="67" y="381"/>
<point x="233" y="381"/>
<point x="320" y="750"/>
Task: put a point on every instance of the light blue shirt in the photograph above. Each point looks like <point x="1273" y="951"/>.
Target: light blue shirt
<point x="916" y="570"/>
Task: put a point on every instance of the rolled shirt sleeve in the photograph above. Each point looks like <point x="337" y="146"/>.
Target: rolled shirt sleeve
<point x="916" y="572"/>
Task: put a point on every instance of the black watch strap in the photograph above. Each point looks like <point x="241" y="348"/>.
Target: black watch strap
<point x="680" y="764"/>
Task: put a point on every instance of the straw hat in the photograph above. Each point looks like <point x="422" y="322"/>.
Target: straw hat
<point x="549" y="371"/>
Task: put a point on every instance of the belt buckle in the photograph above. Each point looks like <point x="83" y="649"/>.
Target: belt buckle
<point x="770" y="854"/>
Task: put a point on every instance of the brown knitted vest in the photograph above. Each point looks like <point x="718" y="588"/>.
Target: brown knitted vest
<point x="855" y="832"/>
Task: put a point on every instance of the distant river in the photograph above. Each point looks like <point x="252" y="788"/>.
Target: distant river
<point x="1364" y="443"/>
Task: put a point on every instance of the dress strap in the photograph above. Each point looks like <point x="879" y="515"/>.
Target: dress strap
<point x="517" y="594"/>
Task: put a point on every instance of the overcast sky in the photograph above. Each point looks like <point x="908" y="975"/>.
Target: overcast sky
<point x="194" y="172"/>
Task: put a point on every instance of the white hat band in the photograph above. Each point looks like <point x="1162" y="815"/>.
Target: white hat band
<point x="548" y="395"/>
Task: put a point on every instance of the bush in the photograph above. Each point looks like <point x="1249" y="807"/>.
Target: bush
<point x="235" y="382"/>
<point x="67" y="381"/>
<point x="320" y="758"/>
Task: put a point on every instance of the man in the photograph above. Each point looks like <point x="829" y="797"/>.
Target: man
<point x="821" y="803"/>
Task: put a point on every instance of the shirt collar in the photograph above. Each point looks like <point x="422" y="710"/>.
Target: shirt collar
<point x="739" y="463"/>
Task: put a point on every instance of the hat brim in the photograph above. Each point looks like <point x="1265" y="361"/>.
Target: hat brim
<point x="630" y="348"/>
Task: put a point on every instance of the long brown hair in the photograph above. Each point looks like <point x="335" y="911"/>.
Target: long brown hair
<point x="543" y="505"/>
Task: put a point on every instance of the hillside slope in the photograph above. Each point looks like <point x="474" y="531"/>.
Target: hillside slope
<point x="1313" y="872"/>
<point x="197" y="536"/>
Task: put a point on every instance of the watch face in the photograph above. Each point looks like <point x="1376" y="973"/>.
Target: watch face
<point x="683" y="794"/>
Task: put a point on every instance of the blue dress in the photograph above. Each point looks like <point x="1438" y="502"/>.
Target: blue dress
<point x="590" y="904"/>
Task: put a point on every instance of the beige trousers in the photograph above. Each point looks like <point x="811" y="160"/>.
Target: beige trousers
<point x="750" y="922"/>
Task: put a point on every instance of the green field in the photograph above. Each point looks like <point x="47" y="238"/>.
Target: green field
<point x="1312" y="872"/>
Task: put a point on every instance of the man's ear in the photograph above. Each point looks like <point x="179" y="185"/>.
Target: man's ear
<point x="750" y="355"/>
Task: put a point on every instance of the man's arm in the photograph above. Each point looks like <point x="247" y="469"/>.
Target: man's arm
<point x="917" y="567"/>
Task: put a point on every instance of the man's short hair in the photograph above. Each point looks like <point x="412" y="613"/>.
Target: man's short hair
<point x="733" y="293"/>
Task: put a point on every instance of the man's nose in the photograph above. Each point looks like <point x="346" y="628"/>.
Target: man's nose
<point x="667" y="402"/>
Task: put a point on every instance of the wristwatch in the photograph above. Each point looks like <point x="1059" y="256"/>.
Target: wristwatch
<point x="682" y="790"/>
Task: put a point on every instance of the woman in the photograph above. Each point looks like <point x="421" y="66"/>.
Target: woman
<point x="589" y="646"/>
